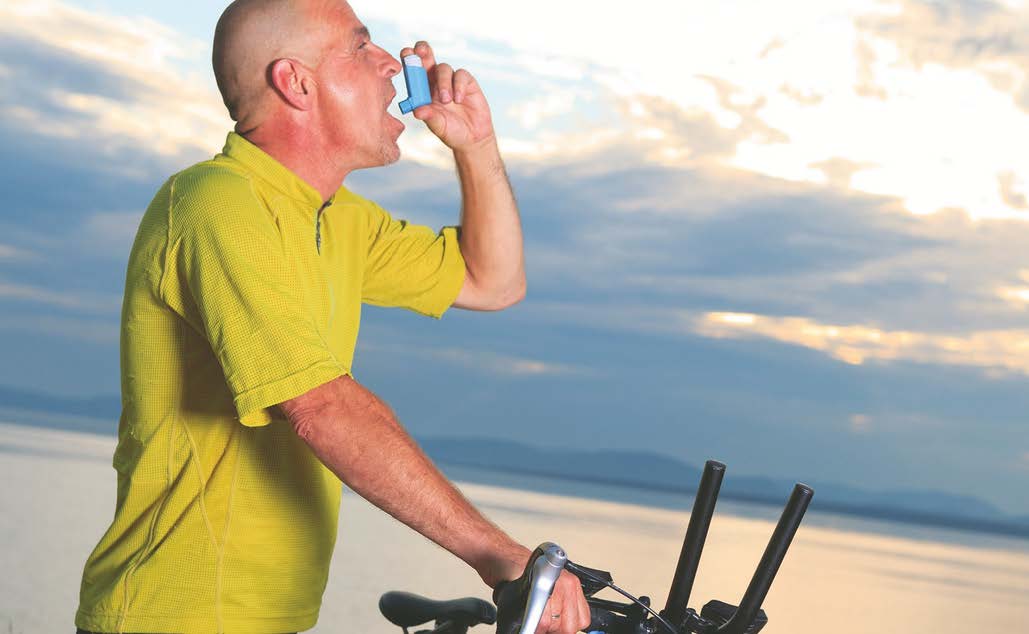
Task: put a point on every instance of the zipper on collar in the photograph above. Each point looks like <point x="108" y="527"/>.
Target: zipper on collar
<point x="318" y="226"/>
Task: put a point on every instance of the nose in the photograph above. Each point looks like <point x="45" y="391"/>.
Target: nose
<point x="391" y="65"/>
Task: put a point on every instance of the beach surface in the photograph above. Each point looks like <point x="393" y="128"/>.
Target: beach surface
<point x="846" y="577"/>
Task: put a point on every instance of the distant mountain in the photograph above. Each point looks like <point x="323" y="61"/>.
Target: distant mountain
<point x="638" y="469"/>
<point x="96" y="414"/>
<point x="662" y="473"/>
<point x="93" y="406"/>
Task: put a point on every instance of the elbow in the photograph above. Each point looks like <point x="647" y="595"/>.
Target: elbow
<point x="306" y="421"/>
<point x="508" y="295"/>
<point x="491" y="294"/>
<point x="515" y="294"/>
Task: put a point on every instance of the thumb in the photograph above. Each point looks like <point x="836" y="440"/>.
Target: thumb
<point x="433" y="117"/>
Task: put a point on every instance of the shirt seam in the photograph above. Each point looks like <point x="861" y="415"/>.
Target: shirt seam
<point x="202" y="495"/>
<point x="137" y="560"/>
<point x="225" y="533"/>
<point x="167" y="239"/>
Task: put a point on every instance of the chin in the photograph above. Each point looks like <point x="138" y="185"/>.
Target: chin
<point x="390" y="154"/>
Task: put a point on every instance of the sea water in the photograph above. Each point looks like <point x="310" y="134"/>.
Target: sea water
<point x="842" y="575"/>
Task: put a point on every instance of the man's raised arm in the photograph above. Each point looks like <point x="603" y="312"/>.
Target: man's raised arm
<point x="491" y="232"/>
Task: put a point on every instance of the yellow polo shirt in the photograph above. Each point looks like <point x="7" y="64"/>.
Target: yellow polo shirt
<point x="242" y="291"/>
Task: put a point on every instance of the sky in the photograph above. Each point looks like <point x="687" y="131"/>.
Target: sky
<point x="789" y="236"/>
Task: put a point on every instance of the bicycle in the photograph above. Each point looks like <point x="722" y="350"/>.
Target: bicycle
<point x="520" y="602"/>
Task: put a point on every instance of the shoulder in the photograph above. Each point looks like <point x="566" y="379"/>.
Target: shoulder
<point x="211" y="193"/>
<point x="211" y="183"/>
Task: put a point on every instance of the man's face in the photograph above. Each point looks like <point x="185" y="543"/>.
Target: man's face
<point x="354" y="90"/>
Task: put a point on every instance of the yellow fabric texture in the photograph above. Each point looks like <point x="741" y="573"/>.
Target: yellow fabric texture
<point x="242" y="292"/>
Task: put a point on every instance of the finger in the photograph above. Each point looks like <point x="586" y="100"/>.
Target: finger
<point x="464" y="84"/>
<point x="424" y="51"/>
<point x="576" y="609"/>
<point x="433" y="117"/>
<point x="444" y="82"/>
<point x="404" y="52"/>
<point x="582" y="613"/>
<point x="547" y="622"/>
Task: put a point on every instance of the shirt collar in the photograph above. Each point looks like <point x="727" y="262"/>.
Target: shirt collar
<point x="271" y="171"/>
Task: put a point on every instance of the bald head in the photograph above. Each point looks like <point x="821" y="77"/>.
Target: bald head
<point x="251" y="34"/>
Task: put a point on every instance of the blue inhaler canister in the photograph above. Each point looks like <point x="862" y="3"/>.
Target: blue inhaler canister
<point x="417" y="84"/>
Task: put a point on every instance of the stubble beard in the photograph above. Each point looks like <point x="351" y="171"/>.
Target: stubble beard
<point x="389" y="153"/>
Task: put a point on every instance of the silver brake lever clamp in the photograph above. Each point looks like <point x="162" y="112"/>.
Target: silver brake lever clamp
<point x="545" y="572"/>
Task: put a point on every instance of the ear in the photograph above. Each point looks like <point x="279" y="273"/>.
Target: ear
<point x="293" y="82"/>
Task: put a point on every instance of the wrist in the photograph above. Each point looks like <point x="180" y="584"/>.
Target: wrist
<point x="500" y="562"/>
<point x="483" y="149"/>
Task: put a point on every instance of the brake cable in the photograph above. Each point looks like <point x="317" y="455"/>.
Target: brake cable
<point x="579" y="570"/>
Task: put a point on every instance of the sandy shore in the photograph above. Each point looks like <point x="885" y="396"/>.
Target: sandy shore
<point x="58" y="496"/>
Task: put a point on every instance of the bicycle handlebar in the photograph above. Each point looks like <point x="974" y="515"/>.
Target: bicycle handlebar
<point x="521" y="602"/>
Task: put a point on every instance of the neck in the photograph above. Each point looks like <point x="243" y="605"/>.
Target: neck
<point x="302" y="153"/>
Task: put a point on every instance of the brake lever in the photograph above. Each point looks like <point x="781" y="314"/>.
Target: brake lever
<point x="531" y="590"/>
<point x="545" y="571"/>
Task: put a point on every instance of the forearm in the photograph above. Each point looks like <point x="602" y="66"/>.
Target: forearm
<point x="368" y="449"/>
<point x="491" y="232"/>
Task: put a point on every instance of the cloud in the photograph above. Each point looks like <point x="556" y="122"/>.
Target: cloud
<point x="859" y="423"/>
<point x="764" y="107"/>
<point x="857" y="343"/>
<point x="994" y="352"/>
<point x="500" y="364"/>
<point x="8" y="252"/>
<point x="84" y="330"/>
<point x="989" y="37"/>
<point x="1012" y="197"/>
<point x="85" y="302"/>
<point x="481" y="360"/>
<point x="105" y="80"/>
<point x="608" y="228"/>
<point x="839" y="172"/>
<point x="531" y="112"/>
<point x="829" y="84"/>
<point x="108" y="233"/>
<point x="804" y="98"/>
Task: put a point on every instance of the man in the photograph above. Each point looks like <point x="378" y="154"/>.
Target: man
<point x="240" y="415"/>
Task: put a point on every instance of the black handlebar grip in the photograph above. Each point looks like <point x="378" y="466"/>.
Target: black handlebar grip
<point x="509" y="596"/>
<point x="693" y="545"/>
<point x="600" y="620"/>
<point x="772" y="558"/>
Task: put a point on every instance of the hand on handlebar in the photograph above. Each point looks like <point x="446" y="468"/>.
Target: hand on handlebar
<point x="569" y="604"/>
<point x="544" y="597"/>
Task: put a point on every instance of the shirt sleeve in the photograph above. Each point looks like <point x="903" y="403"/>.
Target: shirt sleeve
<point x="232" y="268"/>
<point x="411" y="266"/>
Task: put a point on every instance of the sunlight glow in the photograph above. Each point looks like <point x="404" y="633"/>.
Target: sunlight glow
<point x="887" y="86"/>
<point x="857" y="344"/>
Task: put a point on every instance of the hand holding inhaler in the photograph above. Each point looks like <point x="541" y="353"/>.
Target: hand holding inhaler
<point x="452" y="105"/>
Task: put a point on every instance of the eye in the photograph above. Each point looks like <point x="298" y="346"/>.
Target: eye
<point x="363" y="44"/>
